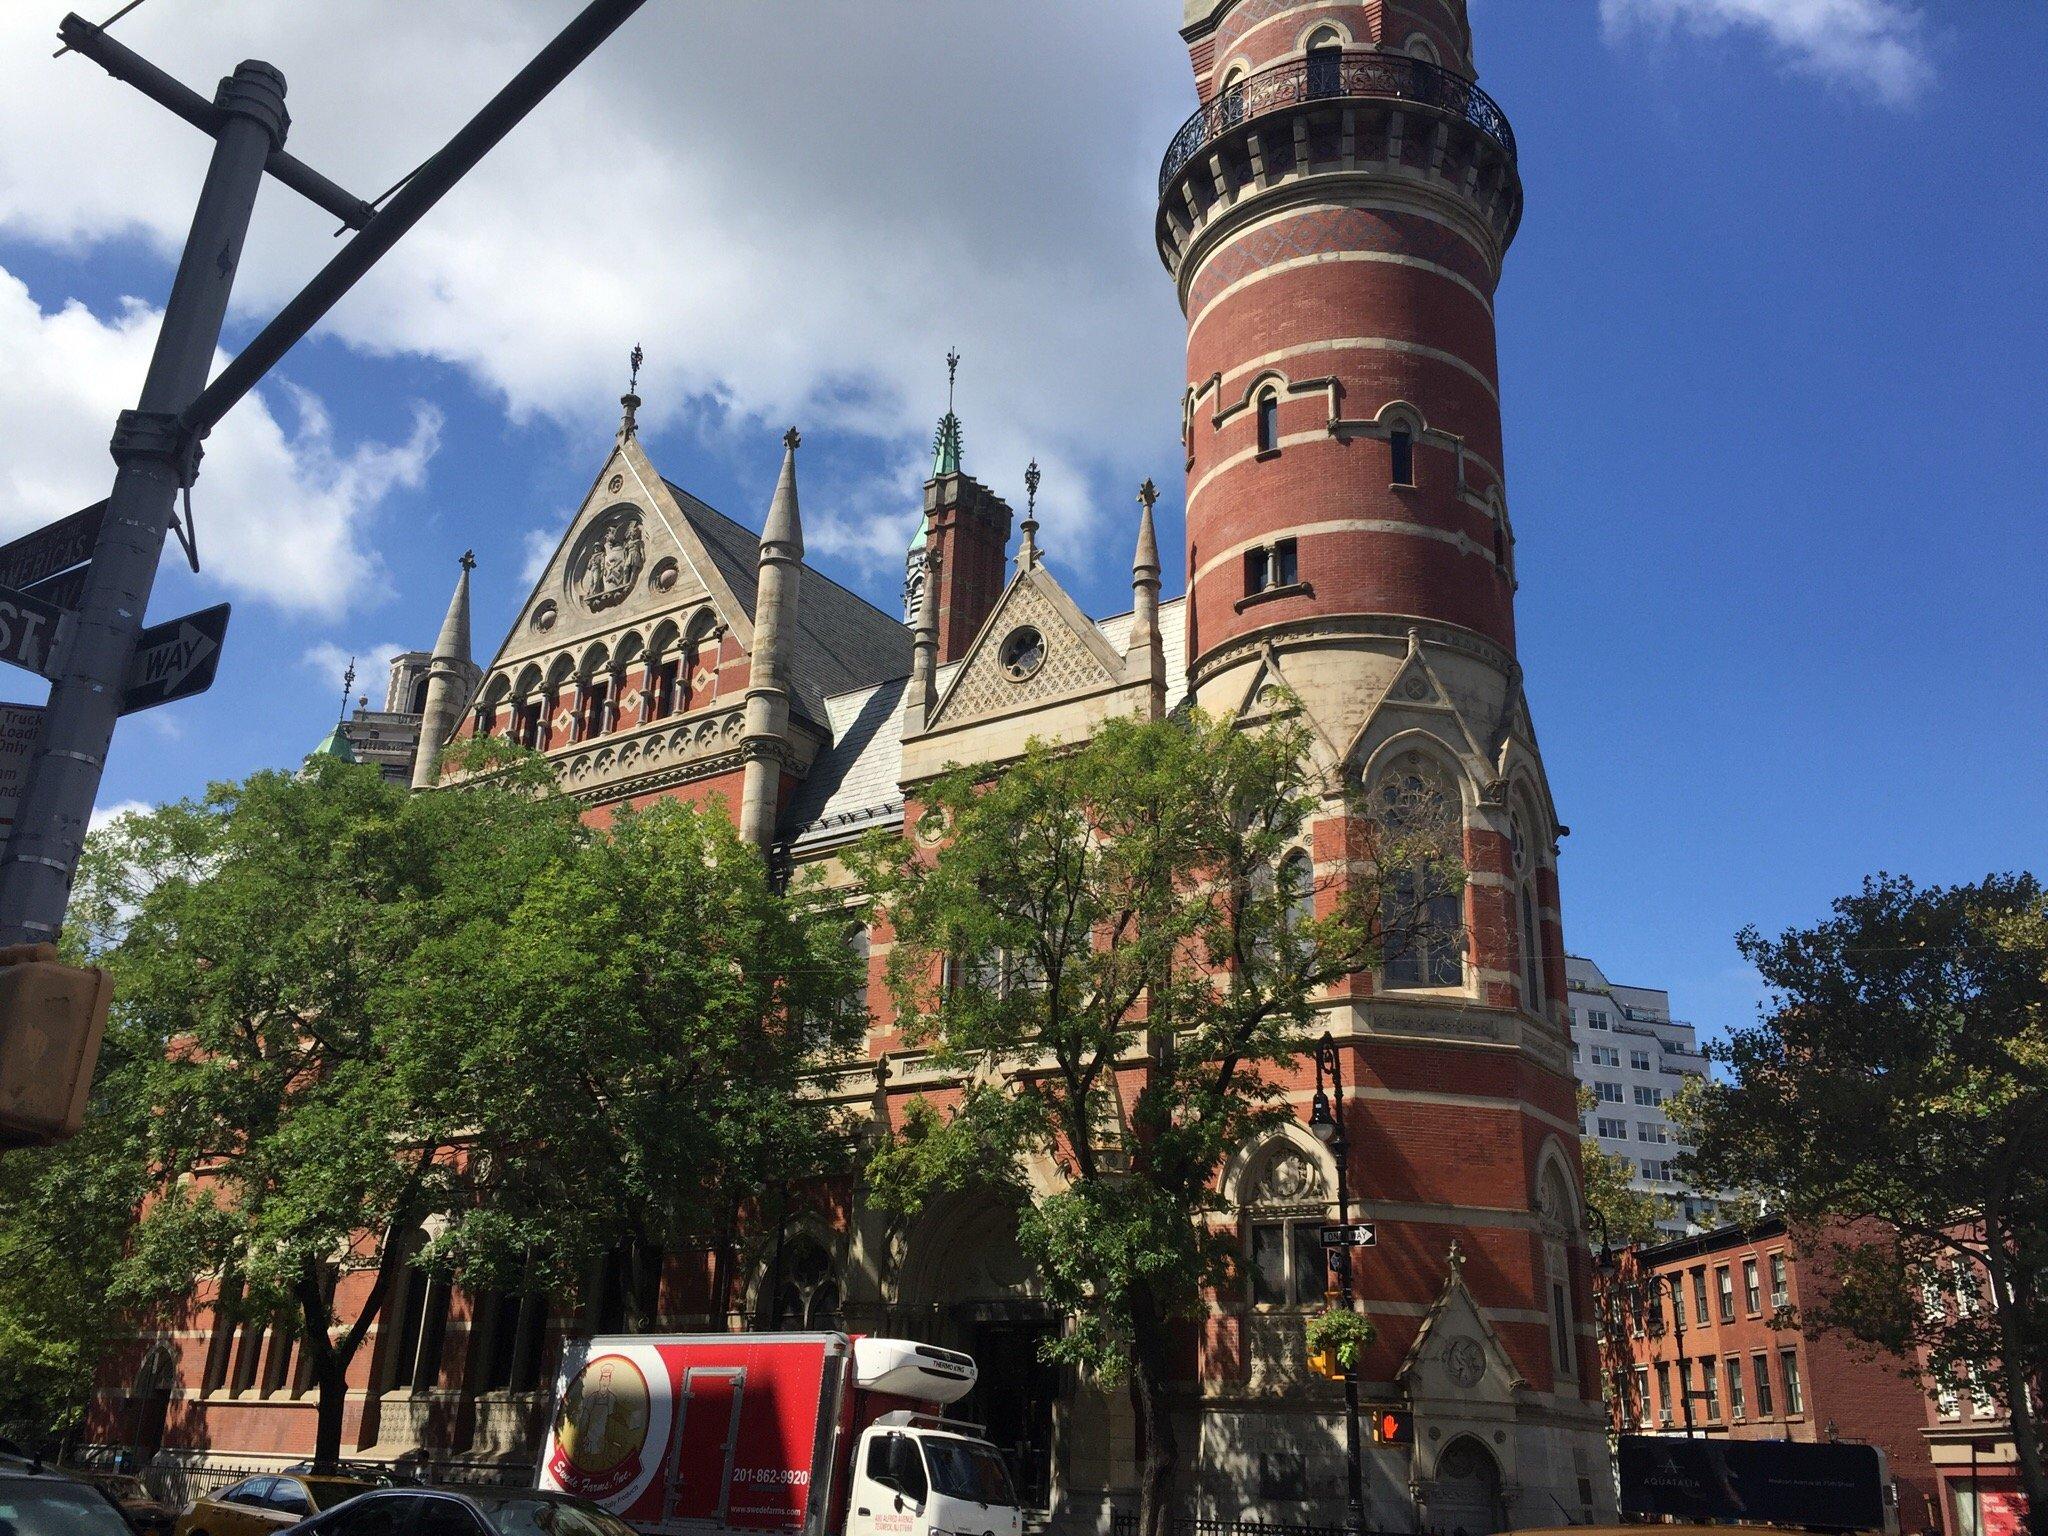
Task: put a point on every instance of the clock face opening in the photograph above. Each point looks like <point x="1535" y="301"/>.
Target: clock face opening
<point x="1022" y="653"/>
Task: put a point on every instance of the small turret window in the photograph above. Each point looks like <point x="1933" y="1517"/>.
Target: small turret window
<point x="1269" y="422"/>
<point x="1326" y="64"/>
<point x="1270" y="566"/>
<point x="1403" y="445"/>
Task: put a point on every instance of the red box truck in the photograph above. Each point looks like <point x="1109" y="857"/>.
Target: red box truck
<point x="809" y="1434"/>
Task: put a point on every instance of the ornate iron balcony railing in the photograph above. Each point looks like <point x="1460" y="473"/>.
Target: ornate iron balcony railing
<point x="1383" y="76"/>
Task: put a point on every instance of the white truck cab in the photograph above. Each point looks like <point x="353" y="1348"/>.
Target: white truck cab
<point x="919" y="1475"/>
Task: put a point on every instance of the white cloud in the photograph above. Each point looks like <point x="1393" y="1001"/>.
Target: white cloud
<point x="797" y="221"/>
<point x="1879" y="46"/>
<point x="102" y="814"/>
<point x="539" y="548"/>
<point x="372" y="663"/>
<point x="280" y="507"/>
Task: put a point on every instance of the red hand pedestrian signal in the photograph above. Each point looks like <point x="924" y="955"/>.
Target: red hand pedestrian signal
<point x="1393" y="1426"/>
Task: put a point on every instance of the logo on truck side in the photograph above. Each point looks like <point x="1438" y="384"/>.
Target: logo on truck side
<point x="600" y="1429"/>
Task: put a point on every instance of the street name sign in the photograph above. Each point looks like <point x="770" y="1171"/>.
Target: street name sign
<point x="65" y="589"/>
<point x="175" y="660"/>
<point x="52" y="548"/>
<point x="1352" y="1234"/>
<point x="32" y="632"/>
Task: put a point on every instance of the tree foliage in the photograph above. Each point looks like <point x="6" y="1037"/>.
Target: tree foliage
<point x="343" y="1010"/>
<point x="1895" y="1092"/>
<point x="1113" y="948"/>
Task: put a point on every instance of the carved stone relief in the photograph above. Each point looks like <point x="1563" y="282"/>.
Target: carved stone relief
<point x="607" y="559"/>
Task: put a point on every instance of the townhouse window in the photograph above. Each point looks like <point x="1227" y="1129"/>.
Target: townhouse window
<point x="1606" y="1056"/>
<point x="1612" y="1129"/>
<point x="1762" y="1371"/>
<point x="1269" y="422"/>
<point x="1947" y="1401"/>
<point x="1606" y="1092"/>
<point x="1643" y="1394"/>
<point x="1983" y="1405"/>
<point x="1402" y="446"/>
<point x="1685" y="1391"/>
<point x="1575" y="1050"/>
<point x="1699" y="1296"/>
<point x="1650" y="1131"/>
<point x="1724" y="1285"/>
<point x="1639" y="1060"/>
<point x="1663" y="1393"/>
<point x="1710" y="1382"/>
<point x="1781" y="1294"/>
<point x="1752" y="1291"/>
<point x="1788" y="1368"/>
<point x="1738" y="1401"/>
<point x="1650" y="1098"/>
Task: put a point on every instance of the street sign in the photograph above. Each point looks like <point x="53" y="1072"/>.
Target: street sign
<point x="51" y="548"/>
<point x="32" y="632"/>
<point x="21" y="727"/>
<point x="65" y="589"/>
<point x="1355" y="1234"/>
<point x="175" y="660"/>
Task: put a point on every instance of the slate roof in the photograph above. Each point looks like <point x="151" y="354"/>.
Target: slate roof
<point x="855" y="782"/>
<point x="844" y="642"/>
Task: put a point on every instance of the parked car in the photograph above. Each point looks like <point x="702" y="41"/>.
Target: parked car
<point x="466" y="1512"/>
<point x="146" y="1514"/>
<point x="38" y="1501"/>
<point x="257" y="1506"/>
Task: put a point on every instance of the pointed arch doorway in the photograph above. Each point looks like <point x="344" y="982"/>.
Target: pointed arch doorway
<point x="1465" y="1500"/>
<point x="966" y="1285"/>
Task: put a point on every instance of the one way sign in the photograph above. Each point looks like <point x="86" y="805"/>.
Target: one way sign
<point x="175" y="660"/>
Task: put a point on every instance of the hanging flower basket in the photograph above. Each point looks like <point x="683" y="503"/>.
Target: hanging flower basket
<point x="1340" y="1336"/>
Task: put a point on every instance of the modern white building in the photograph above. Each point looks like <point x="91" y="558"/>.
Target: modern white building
<point x="1634" y="1057"/>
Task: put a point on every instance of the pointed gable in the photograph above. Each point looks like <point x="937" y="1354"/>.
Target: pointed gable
<point x="1003" y="674"/>
<point x="1457" y="1362"/>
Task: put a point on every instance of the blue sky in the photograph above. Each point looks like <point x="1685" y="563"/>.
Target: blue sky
<point x="1771" y="345"/>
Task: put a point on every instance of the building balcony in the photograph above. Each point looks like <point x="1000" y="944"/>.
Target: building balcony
<point x="1361" y="76"/>
<point x="1382" y="115"/>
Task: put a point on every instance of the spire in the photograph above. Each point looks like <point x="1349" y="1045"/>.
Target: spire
<point x="1145" y="654"/>
<point x="946" y="445"/>
<point x="451" y="678"/>
<point x="1027" y="552"/>
<point x="629" y="424"/>
<point x="453" y="644"/>
<point x="785" y="526"/>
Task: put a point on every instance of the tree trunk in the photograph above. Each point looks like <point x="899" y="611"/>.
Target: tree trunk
<point x="2010" y="1309"/>
<point x="330" y="1376"/>
<point x="1159" y="1446"/>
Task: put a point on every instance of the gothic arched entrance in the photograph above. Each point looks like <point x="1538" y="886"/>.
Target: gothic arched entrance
<point x="1465" y="1499"/>
<point x="963" y="1283"/>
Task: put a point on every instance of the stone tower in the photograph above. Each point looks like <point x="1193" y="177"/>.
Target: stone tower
<point x="1335" y="216"/>
<point x="451" y="680"/>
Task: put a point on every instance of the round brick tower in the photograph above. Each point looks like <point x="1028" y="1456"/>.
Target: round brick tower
<point x="1335" y="218"/>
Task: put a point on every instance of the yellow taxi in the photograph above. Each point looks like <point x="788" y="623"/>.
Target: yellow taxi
<point x="257" y="1506"/>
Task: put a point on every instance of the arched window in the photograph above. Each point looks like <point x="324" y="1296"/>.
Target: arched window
<point x="1401" y="443"/>
<point x="1420" y="47"/>
<point x="1557" y="1217"/>
<point x="1285" y="1206"/>
<point x="1521" y="855"/>
<point x="1269" y="421"/>
<point x="1422" y="926"/>
<point x="862" y="945"/>
<point x="806" y="1290"/>
<point x="1298" y="889"/>
<point x="1326" y="62"/>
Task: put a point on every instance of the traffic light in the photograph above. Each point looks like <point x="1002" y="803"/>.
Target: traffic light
<point x="1324" y="1363"/>
<point x="1393" y="1426"/>
<point x="51" y="1020"/>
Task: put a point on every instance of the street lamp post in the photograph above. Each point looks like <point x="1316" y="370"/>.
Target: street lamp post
<point x="1678" y="1340"/>
<point x="1328" y="1127"/>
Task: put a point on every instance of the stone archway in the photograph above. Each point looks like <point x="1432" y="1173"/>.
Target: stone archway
<point x="1465" y="1498"/>
<point x="963" y="1283"/>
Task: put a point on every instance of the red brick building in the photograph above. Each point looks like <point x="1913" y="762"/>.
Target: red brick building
<point x="1334" y="217"/>
<point x="1703" y="1338"/>
<point x="1969" y="1430"/>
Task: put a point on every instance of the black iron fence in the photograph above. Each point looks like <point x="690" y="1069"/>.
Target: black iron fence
<point x="1125" y="1523"/>
<point x="1383" y="76"/>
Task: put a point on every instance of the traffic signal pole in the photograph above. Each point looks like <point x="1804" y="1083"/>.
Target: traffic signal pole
<point x="154" y="459"/>
<point x="156" y="445"/>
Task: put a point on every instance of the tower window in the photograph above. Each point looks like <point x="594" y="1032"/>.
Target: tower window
<point x="1258" y="570"/>
<point x="1403" y="445"/>
<point x="1286" y="568"/>
<point x="1325" y="68"/>
<point x="1269" y="422"/>
<point x="1271" y="566"/>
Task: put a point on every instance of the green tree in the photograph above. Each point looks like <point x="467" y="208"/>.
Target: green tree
<point x="1112" y="948"/>
<point x="264" y="942"/>
<point x="1895" y="1093"/>
<point x="633" y="1039"/>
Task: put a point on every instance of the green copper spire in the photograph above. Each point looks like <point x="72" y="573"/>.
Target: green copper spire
<point x="334" y="744"/>
<point x="946" y="446"/>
